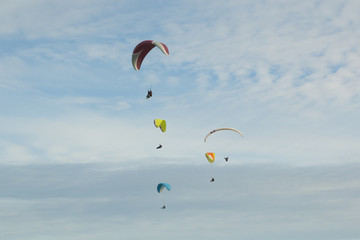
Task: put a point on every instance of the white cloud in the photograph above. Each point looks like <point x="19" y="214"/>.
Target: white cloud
<point x="43" y="19"/>
<point x="14" y="154"/>
<point x="297" y="40"/>
<point x="238" y="64"/>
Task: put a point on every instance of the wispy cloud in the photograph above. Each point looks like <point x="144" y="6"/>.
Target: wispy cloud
<point x="78" y="144"/>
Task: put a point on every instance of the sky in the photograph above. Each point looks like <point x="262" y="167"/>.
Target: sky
<point x="78" y="157"/>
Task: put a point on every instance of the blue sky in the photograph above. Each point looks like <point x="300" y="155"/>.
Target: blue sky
<point x="77" y="141"/>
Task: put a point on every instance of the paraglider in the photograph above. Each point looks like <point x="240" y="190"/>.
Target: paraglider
<point x="161" y="186"/>
<point x="161" y="124"/>
<point x="143" y="48"/>
<point x="210" y="157"/>
<point x="220" y="129"/>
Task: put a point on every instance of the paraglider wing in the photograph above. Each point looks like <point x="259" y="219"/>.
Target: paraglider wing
<point x="161" y="187"/>
<point x="220" y="129"/>
<point x="210" y="157"/>
<point x="161" y="124"/>
<point x="143" y="48"/>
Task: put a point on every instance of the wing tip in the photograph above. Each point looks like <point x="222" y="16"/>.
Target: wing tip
<point x="162" y="47"/>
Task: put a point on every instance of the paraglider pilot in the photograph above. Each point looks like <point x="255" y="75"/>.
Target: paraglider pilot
<point x="226" y="158"/>
<point x="212" y="180"/>
<point x="160" y="146"/>
<point x="149" y="94"/>
<point x="163" y="207"/>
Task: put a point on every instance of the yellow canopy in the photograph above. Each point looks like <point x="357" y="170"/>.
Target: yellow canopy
<point x="160" y="123"/>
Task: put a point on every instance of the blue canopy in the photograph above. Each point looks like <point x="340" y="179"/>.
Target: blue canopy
<point x="161" y="187"/>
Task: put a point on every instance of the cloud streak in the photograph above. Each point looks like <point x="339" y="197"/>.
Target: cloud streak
<point x="267" y="202"/>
